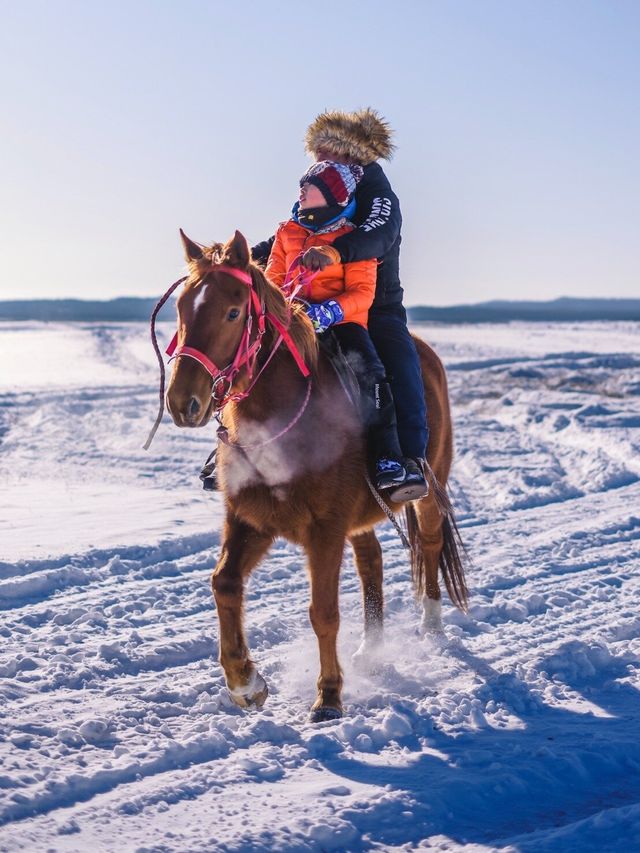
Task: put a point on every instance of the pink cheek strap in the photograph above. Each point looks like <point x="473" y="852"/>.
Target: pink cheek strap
<point x="173" y="351"/>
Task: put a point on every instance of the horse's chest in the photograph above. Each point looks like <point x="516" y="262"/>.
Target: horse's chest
<point x="273" y="511"/>
<point x="263" y="492"/>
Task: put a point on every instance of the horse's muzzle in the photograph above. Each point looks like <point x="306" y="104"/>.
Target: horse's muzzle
<point x="191" y="412"/>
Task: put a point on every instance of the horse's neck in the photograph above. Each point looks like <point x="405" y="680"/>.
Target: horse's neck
<point x="299" y="332"/>
<point x="278" y="387"/>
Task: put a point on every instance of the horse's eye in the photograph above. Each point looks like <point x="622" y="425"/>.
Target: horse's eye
<point x="233" y="314"/>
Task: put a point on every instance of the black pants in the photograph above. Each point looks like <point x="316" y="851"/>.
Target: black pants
<point x="377" y="404"/>
<point x="390" y="335"/>
<point x="357" y="346"/>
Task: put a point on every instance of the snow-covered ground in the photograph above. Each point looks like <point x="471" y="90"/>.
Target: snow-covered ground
<point x="518" y="732"/>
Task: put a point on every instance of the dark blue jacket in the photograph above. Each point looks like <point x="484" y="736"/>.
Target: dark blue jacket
<point x="378" y="220"/>
<point x="377" y="235"/>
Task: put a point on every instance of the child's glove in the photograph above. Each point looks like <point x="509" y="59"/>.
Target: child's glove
<point x="324" y="314"/>
<point x="319" y="257"/>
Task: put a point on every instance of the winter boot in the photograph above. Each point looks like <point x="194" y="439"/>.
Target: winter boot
<point x="383" y="438"/>
<point x="400" y="479"/>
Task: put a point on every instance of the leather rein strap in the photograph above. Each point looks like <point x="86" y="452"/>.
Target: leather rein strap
<point x="154" y="341"/>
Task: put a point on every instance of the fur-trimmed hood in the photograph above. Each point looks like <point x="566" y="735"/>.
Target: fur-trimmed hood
<point x="363" y="136"/>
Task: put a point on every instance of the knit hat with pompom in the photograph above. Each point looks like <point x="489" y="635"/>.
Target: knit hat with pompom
<point x="337" y="182"/>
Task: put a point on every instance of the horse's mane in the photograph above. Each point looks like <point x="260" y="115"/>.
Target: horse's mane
<point x="290" y="315"/>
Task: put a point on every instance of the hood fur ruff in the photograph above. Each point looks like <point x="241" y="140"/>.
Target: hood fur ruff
<point x="362" y="136"/>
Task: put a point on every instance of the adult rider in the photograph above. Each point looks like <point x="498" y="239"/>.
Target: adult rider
<point x="362" y="138"/>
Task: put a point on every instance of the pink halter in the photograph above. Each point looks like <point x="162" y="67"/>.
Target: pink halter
<point x="246" y="353"/>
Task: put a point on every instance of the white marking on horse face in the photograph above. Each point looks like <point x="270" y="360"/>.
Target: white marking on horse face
<point x="202" y="292"/>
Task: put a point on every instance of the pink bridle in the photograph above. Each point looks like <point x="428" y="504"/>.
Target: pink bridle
<point x="246" y="353"/>
<point x="245" y="356"/>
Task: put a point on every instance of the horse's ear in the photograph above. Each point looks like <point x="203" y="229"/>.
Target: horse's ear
<point x="192" y="251"/>
<point x="237" y="252"/>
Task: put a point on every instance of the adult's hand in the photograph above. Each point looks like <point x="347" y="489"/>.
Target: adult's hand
<point x="319" y="257"/>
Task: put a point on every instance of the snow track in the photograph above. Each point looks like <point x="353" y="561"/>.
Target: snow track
<point x="517" y="732"/>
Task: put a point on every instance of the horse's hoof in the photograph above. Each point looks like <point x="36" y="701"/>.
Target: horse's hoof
<point x="436" y="639"/>
<point x="253" y="694"/>
<point x="367" y="659"/>
<point x="324" y="713"/>
<point x="431" y="625"/>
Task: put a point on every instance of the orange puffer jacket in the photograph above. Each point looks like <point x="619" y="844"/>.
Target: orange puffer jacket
<point x="352" y="285"/>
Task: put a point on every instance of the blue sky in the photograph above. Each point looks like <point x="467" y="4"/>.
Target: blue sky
<point x="517" y="126"/>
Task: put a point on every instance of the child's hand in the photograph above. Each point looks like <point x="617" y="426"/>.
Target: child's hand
<point x="319" y="257"/>
<point x="324" y="314"/>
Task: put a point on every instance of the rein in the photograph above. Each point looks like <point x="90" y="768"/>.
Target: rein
<point x="154" y="341"/>
<point x="223" y="433"/>
<point x="246" y="354"/>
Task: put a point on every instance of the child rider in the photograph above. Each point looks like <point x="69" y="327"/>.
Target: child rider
<point x="339" y="297"/>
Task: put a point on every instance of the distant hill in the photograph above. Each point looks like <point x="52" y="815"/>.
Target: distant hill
<point x="127" y="309"/>
<point x="501" y="311"/>
<point x="136" y="309"/>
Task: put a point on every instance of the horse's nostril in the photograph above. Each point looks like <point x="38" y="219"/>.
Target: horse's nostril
<point x="194" y="407"/>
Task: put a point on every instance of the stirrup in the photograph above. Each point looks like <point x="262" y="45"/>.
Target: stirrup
<point x="415" y="485"/>
<point x="208" y="473"/>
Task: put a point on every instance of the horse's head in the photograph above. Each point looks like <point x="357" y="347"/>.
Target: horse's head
<point x="212" y="315"/>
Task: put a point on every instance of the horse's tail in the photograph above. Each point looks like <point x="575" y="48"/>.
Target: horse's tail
<point x="450" y="560"/>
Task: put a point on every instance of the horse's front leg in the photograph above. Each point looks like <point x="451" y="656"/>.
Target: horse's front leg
<point x="242" y="549"/>
<point x="324" y="552"/>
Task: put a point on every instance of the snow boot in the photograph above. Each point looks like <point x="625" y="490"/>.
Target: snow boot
<point x="383" y="438"/>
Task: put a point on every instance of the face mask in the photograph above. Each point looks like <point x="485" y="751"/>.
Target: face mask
<point x="316" y="217"/>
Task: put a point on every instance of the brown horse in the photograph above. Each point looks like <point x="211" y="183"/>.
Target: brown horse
<point x="294" y="465"/>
